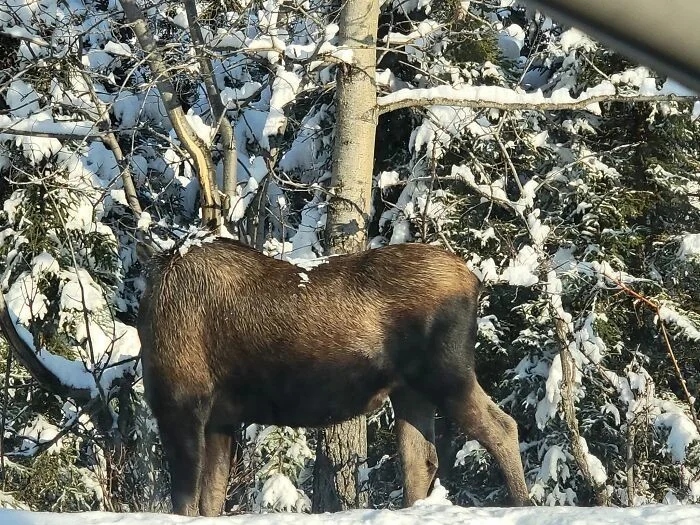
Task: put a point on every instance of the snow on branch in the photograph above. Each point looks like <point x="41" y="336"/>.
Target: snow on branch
<point x="17" y="337"/>
<point x="49" y="128"/>
<point x="506" y="99"/>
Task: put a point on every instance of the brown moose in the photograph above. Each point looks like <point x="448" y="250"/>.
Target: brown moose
<point x="231" y="335"/>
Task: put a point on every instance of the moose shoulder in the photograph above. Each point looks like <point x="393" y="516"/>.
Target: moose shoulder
<point x="230" y="335"/>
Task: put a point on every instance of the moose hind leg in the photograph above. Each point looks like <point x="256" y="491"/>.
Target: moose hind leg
<point x="482" y="419"/>
<point x="415" y="432"/>
<point x="217" y="467"/>
<point x="182" y="435"/>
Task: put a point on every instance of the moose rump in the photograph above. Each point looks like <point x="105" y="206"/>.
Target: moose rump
<point x="230" y="335"/>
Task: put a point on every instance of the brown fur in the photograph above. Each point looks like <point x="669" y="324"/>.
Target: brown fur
<point x="230" y="335"/>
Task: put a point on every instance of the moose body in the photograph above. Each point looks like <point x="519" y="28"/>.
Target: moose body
<point x="230" y="335"/>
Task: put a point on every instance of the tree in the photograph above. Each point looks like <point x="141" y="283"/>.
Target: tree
<point x="342" y="448"/>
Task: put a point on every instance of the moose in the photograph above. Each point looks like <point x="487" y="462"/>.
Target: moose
<point x="230" y="335"/>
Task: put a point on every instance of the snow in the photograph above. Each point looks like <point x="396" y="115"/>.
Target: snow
<point x="547" y="406"/>
<point x="25" y="299"/>
<point x="511" y="40"/>
<point x="38" y="432"/>
<point x="284" y="90"/>
<point x="417" y="37"/>
<point x="670" y="315"/>
<point x="554" y="465"/>
<point x="682" y="431"/>
<point x="426" y="512"/>
<point x="595" y="466"/>
<point x="279" y="493"/>
<point x="386" y="179"/>
<point x="521" y="271"/>
<point x="22" y="99"/>
<point x="497" y="96"/>
<point x="470" y="446"/>
<point x="574" y="39"/>
<point x="690" y="246"/>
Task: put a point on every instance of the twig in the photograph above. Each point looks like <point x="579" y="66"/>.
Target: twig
<point x="655" y="307"/>
<point x="6" y="388"/>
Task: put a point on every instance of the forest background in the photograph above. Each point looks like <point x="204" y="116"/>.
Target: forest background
<point x="565" y="175"/>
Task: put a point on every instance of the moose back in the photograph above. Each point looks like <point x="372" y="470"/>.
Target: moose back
<point x="230" y="335"/>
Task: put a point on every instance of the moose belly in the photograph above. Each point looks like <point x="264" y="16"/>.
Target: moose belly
<point x="311" y="396"/>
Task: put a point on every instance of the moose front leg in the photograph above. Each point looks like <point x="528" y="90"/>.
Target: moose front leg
<point x="415" y="431"/>
<point x="183" y="443"/>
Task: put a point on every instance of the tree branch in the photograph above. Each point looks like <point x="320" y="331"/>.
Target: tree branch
<point x="50" y="129"/>
<point x="218" y="110"/>
<point x="569" y="406"/>
<point x="655" y="307"/>
<point x="26" y="355"/>
<point x="195" y="146"/>
<point x="492" y="97"/>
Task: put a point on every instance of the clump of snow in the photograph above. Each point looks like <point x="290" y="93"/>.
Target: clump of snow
<point x="595" y="466"/>
<point x="144" y="221"/>
<point x="25" y="300"/>
<point x="22" y="99"/>
<point x="554" y="465"/>
<point x="39" y="433"/>
<point x="511" y="40"/>
<point x="284" y="90"/>
<point x="574" y="39"/>
<point x="547" y="406"/>
<point x="683" y="430"/>
<point x="670" y="315"/>
<point x="589" y="342"/>
<point x="436" y="498"/>
<point x="538" y="231"/>
<point x="521" y="270"/>
<point x="690" y="246"/>
<point x="279" y="493"/>
<point x="470" y="447"/>
<point x="81" y="292"/>
<point x="386" y="179"/>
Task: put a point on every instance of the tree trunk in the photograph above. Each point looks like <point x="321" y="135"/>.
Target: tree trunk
<point x="340" y="451"/>
<point x="342" y="448"/>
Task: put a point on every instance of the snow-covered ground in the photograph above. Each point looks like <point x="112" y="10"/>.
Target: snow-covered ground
<point x="435" y="509"/>
<point x="419" y="515"/>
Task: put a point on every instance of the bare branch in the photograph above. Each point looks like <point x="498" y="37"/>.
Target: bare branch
<point x="655" y="307"/>
<point x="195" y="146"/>
<point x="217" y="109"/>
